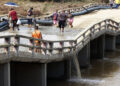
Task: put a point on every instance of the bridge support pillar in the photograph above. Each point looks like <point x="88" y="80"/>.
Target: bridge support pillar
<point x="5" y="74"/>
<point x="97" y="47"/>
<point x="84" y="56"/>
<point x="118" y="41"/>
<point x="110" y="42"/>
<point x="28" y="74"/>
<point x="68" y="69"/>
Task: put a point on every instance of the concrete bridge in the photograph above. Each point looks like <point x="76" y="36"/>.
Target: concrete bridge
<point x="20" y="65"/>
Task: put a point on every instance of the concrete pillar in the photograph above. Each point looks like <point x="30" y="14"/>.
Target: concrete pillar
<point x="84" y="56"/>
<point x="44" y="74"/>
<point x="110" y="42"/>
<point x="68" y="69"/>
<point x="5" y="74"/>
<point x="28" y="74"/>
<point x="97" y="47"/>
<point x="1" y="75"/>
<point x="118" y="41"/>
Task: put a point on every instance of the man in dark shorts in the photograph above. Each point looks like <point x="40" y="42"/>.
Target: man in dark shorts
<point x="62" y="20"/>
<point x="29" y="15"/>
<point x="13" y="18"/>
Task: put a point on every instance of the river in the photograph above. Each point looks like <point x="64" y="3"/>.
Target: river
<point x="101" y="72"/>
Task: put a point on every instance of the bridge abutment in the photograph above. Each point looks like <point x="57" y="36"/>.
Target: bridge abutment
<point x="110" y="42"/>
<point x="97" y="47"/>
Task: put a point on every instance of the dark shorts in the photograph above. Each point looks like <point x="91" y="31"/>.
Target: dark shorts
<point x="14" y="23"/>
<point x="29" y="21"/>
<point x="62" y="23"/>
<point x="111" y="5"/>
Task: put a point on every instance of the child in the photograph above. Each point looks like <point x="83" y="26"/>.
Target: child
<point x="70" y="19"/>
<point x="55" y="18"/>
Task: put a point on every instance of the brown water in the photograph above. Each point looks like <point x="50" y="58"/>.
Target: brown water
<point x="105" y="72"/>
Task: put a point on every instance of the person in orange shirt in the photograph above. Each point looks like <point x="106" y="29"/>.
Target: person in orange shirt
<point x="37" y="34"/>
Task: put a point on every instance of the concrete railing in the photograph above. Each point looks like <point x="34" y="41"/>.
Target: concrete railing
<point x="48" y="47"/>
<point x="107" y="26"/>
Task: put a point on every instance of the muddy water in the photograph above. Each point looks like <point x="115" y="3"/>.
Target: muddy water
<point x="104" y="72"/>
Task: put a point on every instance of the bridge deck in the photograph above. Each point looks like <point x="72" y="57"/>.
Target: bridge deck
<point x="85" y="21"/>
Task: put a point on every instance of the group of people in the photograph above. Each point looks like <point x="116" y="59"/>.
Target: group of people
<point x="13" y="18"/>
<point x="13" y="22"/>
<point x="60" y="19"/>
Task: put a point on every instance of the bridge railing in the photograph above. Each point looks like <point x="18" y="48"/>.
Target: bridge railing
<point x="20" y="43"/>
<point x="48" y="47"/>
<point x="108" y="25"/>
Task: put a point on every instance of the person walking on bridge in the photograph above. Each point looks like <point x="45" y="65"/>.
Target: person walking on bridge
<point x="13" y="18"/>
<point x="70" y="19"/>
<point x="111" y="2"/>
<point x="62" y="20"/>
<point x="37" y="34"/>
<point x="29" y="15"/>
<point x="55" y="18"/>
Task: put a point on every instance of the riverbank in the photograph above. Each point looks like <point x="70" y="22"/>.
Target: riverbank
<point x="40" y="8"/>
